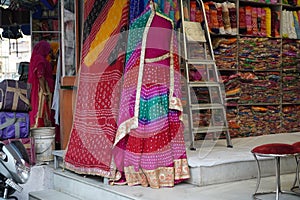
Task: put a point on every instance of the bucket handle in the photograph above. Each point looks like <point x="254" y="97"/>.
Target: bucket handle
<point x="45" y="148"/>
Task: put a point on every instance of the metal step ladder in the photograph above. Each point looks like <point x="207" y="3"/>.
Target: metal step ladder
<point x="204" y="92"/>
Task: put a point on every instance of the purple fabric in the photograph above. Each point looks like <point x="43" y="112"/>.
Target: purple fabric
<point x="14" y="125"/>
<point x="15" y="96"/>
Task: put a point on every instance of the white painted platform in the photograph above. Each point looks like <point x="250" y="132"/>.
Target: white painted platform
<point x="216" y="170"/>
<point x="214" y="163"/>
<point x="93" y="188"/>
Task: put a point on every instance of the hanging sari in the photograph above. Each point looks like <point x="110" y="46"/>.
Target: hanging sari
<point x="149" y="145"/>
<point x="89" y="150"/>
<point x="169" y="7"/>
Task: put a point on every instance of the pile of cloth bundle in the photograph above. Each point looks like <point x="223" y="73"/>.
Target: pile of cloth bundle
<point x="291" y="24"/>
<point x="260" y="87"/>
<point x="259" y="21"/>
<point x="290" y="118"/>
<point x="232" y="87"/>
<point x="225" y="52"/>
<point x="290" y="71"/>
<point x="252" y="88"/>
<point x="221" y="17"/>
<point x="232" y="84"/>
<point x="259" y="54"/>
<point x="259" y="120"/>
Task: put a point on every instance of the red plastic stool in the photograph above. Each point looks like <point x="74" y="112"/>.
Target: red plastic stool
<point x="296" y="185"/>
<point x="276" y="151"/>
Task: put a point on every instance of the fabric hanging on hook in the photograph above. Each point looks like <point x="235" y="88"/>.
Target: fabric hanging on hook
<point x="12" y="32"/>
<point x="50" y="4"/>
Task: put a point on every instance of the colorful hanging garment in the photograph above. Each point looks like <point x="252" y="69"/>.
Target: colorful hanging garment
<point x="168" y="7"/>
<point x="149" y="145"/>
<point x="96" y="109"/>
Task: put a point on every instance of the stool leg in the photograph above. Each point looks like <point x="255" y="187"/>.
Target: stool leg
<point x="258" y="174"/>
<point x="296" y="175"/>
<point x="278" y="184"/>
<point x="297" y="171"/>
<point x="297" y="181"/>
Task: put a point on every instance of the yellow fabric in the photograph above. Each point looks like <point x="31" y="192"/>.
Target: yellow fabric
<point x="268" y="21"/>
<point x="105" y="31"/>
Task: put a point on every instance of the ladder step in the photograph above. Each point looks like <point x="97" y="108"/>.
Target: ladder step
<point x="198" y="57"/>
<point x="207" y="106"/>
<point x="200" y="61"/>
<point x="203" y="84"/>
<point x="210" y="129"/>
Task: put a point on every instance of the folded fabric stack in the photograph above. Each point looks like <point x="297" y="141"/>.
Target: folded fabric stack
<point x="207" y="117"/>
<point x="221" y="17"/>
<point x="14" y="116"/>
<point x="232" y="91"/>
<point x="233" y="121"/>
<point x="290" y="118"/>
<point x="291" y="71"/>
<point x="201" y="118"/>
<point x="290" y="54"/>
<point x="200" y="95"/>
<point x="225" y="51"/>
<point x="260" y="87"/>
<point x="259" y="21"/>
<point x="290" y="24"/>
<point x="232" y="86"/>
<point x="259" y="53"/>
<point x="259" y="120"/>
<point x="291" y="87"/>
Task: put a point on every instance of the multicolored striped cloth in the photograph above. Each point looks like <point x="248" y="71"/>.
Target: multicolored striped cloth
<point x="89" y="150"/>
<point x="149" y="145"/>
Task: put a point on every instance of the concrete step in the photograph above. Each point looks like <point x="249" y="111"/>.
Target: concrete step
<point x="91" y="188"/>
<point x="50" y="194"/>
<point x="86" y="187"/>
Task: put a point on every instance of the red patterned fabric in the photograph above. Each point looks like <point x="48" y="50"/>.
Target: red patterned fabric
<point x="274" y="148"/>
<point x="96" y="108"/>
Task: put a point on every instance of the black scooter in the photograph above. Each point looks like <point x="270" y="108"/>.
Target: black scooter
<point x="14" y="168"/>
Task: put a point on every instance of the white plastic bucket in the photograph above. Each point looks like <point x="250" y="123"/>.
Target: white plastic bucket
<point x="44" y="143"/>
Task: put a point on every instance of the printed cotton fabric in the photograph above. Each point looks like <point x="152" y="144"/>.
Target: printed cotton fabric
<point x="149" y="145"/>
<point x="96" y="109"/>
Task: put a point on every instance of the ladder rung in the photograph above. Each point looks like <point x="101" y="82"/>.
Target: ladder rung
<point x="210" y="129"/>
<point x="207" y="106"/>
<point x="203" y="84"/>
<point x="199" y="61"/>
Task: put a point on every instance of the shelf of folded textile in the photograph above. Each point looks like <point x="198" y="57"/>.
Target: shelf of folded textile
<point x="290" y="118"/>
<point x="260" y="87"/>
<point x="259" y="120"/>
<point x="259" y="53"/>
<point x="225" y="52"/>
